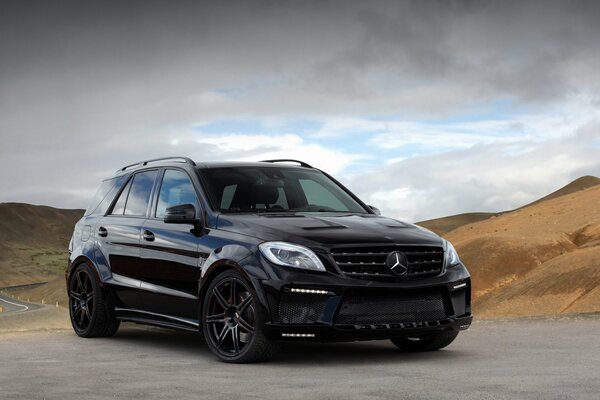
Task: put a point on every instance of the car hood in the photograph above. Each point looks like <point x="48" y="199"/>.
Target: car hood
<point x="326" y="230"/>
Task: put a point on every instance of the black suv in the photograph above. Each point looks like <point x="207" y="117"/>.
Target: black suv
<point x="252" y="254"/>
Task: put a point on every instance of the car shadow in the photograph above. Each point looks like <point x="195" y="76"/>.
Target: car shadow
<point x="301" y="353"/>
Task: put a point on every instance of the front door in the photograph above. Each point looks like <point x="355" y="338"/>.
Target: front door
<point x="170" y="254"/>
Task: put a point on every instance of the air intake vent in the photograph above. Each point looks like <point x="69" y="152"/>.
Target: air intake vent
<point x="405" y="307"/>
<point x="300" y="308"/>
<point x="370" y="262"/>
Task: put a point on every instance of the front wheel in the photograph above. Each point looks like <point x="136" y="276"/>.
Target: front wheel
<point x="232" y="322"/>
<point x="426" y="343"/>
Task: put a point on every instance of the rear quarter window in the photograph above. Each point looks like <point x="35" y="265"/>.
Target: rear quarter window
<point x="104" y="196"/>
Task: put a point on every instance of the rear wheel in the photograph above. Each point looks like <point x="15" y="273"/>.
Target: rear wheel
<point x="426" y="343"/>
<point x="232" y="322"/>
<point x="89" y="308"/>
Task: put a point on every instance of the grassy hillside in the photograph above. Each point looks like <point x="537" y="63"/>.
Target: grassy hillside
<point x="33" y="242"/>
<point x="442" y="226"/>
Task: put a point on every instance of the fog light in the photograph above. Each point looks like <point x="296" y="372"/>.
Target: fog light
<point x="298" y="335"/>
<point x="309" y="291"/>
<point x="459" y="286"/>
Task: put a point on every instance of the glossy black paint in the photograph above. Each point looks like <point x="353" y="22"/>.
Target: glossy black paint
<point x="157" y="272"/>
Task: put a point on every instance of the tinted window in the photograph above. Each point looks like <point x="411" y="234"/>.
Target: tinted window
<point x="176" y="188"/>
<point x="227" y="196"/>
<point x="104" y="196"/>
<point x="119" y="207"/>
<point x="271" y="189"/>
<point x="139" y="194"/>
<point x="317" y="195"/>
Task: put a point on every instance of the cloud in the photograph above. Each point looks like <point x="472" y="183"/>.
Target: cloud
<point x="391" y="96"/>
<point x="486" y="177"/>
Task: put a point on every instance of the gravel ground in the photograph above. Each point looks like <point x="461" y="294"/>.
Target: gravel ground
<point x="506" y="359"/>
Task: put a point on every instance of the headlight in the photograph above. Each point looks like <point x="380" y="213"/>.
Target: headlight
<point x="291" y="255"/>
<point x="451" y="255"/>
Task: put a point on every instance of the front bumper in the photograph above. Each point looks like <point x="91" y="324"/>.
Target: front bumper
<point x="325" y="307"/>
<point x="332" y="333"/>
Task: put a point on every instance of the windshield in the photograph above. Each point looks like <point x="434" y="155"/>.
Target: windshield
<point x="271" y="189"/>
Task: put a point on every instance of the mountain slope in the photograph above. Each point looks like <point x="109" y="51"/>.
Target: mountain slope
<point x="33" y="242"/>
<point x="443" y="225"/>
<point x="539" y="259"/>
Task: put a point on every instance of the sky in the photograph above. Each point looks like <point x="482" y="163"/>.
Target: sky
<point x="423" y="109"/>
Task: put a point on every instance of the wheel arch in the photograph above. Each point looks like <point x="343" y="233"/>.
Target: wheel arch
<point x="83" y="260"/>
<point x="219" y="266"/>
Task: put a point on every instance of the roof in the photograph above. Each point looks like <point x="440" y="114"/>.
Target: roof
<point x="185" y="161"/>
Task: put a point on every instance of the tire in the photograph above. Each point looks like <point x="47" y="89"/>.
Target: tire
<point x="426" y="343"/>
<point x="90" y="309"/>
<point x="232" y="321"/>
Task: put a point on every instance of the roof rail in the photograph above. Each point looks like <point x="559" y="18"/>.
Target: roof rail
<point x="302" y="163"/>
<point x="183" y="159"/>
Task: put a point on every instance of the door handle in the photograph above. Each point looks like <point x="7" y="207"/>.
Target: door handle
<point x="102" y="232"/>
<point x="148" y="236"/>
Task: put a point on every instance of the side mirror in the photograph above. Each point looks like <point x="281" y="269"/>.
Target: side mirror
<point x="375" y="210"/>
<point x="181" y="214"/>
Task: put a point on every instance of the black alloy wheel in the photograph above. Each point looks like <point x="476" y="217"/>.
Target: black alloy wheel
<point x="89" y="308"/>
<point x="232" y="322"/>
<point x="81" y="300"/>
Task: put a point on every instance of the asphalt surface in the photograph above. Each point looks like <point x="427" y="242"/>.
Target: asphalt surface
<point x="10" y="305"/>
<point x="518" y="359"/>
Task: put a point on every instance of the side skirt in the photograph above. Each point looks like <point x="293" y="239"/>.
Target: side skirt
<point x="160" y="320"/>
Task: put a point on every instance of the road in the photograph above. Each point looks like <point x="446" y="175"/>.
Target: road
<point x="10" y="305"/>
<point x="518" y="359"/>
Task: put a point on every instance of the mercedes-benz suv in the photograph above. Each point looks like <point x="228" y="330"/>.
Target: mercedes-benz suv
<point x="253" y="254"/>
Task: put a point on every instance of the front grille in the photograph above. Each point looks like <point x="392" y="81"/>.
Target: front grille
<point x="295" y="308"/>
<point x="369" y="262"/>
<point x="403" y="307"/>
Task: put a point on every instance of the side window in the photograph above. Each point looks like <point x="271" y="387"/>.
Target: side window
<point x="104" y="196"/>
<point x="176" y="188"/>
<point x="139" y="194"/>
<point x="317" y="195"/>
<point x="119" y="207"/>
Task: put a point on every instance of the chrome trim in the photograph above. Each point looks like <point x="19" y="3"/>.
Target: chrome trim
<point x="166" y="291"/>
<point x="125" y="281"/>
<point x="138" y="284"/>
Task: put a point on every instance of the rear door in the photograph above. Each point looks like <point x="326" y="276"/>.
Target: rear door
<point x="119" y="236"/>
<point x="171" y="257"/>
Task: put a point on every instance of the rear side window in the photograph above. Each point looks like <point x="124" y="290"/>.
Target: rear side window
<point x="139" y="194"/>
<point x="119" y="207"/>
<point x="104" y="196"/>
<point x="135" y="197"/>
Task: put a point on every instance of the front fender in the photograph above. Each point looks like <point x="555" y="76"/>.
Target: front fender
<point x="237" y="257"/>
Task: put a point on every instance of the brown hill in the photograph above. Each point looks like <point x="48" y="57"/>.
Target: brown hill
<point x="33" y="242"/>
<point x="443" y="225"/>
<point x="578" y="184"/>
<point x="539" y="259"/>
